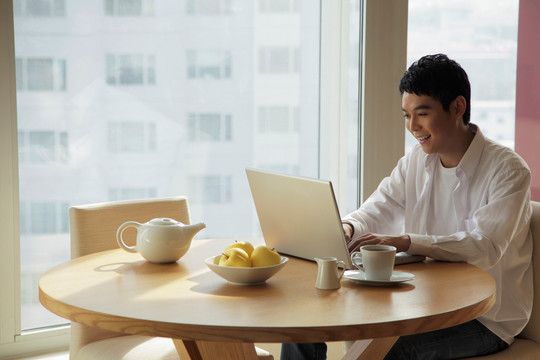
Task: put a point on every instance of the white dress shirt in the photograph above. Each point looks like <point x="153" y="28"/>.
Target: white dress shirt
<point x="491" y="208"/>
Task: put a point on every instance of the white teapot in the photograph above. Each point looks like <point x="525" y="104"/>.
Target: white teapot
<point x="160" y="240"/>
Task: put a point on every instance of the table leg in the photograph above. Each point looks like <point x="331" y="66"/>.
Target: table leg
<point x="209" y="350"/>
<point x="373" y="349"/>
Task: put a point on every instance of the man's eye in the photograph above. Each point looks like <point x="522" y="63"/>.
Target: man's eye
<point x="422" y="114"/>
<point x="405" y="116"/>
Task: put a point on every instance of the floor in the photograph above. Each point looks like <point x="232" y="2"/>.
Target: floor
<point x="335" y="351"/>
<point x="54" y="356"/>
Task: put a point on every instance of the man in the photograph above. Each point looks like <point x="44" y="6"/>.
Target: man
<point x="456" y="196"/>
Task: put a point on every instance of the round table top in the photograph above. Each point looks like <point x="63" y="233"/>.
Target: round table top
<point x="120" y="291"/>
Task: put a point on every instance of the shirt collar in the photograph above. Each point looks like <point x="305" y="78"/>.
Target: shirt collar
<point x="469" y="162"/>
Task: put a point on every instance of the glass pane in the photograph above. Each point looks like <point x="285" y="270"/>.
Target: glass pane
<point x="210" y="127"/>
<point x="481" y="35"/>
<point x="98" y="137"/>
<point x="42" y="146"/>
<point x="129" y="7"/>
<point x="40" y="74"/>
<point x="38" y="7"/>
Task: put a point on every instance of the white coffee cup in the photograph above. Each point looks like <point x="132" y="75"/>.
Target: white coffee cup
<point x="378" y="261"/>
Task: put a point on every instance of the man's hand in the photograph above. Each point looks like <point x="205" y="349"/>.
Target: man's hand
<point x="348" y="231"/>
<point x="401" y="242"/>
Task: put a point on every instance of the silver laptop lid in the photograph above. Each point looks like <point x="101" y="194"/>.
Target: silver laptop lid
<point x="298" y="216"/>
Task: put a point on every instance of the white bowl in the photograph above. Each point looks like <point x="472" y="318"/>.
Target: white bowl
<point x="244" y="275"/>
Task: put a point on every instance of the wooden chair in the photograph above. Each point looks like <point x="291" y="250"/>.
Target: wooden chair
<point x="527" y="344"/>
<point x="93" y="228"/>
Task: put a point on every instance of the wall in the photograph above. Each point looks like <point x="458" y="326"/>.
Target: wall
<point x="528" y="90"/>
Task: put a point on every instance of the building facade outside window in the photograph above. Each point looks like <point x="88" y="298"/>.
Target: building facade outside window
<point x="130" y="69"/>
<point x="129" y="7"/>
<point x="41" y="74"/>
<point x="210" y="127"/>
<point x="209" y="64"/>
<point x="39" y="8"/>
<point x="209" y="7"/>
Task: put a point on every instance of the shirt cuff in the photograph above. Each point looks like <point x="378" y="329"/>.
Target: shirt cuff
<point x="420" y="244"/>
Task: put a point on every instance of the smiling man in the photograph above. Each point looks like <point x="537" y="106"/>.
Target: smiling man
<point x="456" y="196"/>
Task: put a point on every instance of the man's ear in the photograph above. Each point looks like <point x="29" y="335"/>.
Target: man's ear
<point x="458" y="106"/>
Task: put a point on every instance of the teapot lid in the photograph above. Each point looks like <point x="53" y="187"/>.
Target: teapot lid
<point x="163" y="222"/>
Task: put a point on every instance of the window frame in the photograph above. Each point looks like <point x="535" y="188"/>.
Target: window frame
<point x="384" y="53"/>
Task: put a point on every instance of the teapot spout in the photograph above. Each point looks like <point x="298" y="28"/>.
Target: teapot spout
<point x="192" y="230"/>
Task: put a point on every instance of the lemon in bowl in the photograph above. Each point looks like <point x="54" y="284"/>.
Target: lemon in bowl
<point x="242" y="264"/>
<point x="244" y="275"/>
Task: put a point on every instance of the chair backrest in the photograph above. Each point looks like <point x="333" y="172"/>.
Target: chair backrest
<point x="93" y="228"/>
<point x="532" y="330"/>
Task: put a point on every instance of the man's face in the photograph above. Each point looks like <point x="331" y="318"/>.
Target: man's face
<point x="427" y="121"/>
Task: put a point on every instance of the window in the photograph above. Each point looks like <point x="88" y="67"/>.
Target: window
<point x="105" y="91"/>
<point x="129" y="7"/>
<point x="278" y="119"/>
<point x="41" y="74"/>
<point x="278" y="6"/>
<point x="279" y="60"/>
<point x="130" y="69"/>
<point x="208" y="64"/>
<point x="210" y="189"/>
<point x="43" y="147"/>
<point x="131" y="136"/>
<point x="209" y="7"/>
<point x="44" y="217"/>
<point x="116" y="194"/>
<point x="210" y="127"/>
<point x="39" y="8"/>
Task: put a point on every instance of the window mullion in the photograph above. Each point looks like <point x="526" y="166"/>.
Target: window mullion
<point x="9" y="202"/>
<point x="333" y="95"/>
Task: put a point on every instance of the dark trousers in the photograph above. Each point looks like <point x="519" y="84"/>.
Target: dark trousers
<point x="465" y="340"/>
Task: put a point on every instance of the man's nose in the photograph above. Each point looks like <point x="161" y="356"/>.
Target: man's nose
<point x="413" y="123"/>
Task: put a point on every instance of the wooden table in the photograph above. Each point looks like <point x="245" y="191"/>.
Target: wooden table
<point x="205" y="315"/>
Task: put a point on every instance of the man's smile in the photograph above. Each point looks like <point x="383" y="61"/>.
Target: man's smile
<point x="423" y="138"/>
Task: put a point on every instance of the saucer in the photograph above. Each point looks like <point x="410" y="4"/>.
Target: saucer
<point x="360" y="276"/>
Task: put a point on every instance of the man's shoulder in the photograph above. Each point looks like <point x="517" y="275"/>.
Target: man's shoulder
<point x="502" y="157"/>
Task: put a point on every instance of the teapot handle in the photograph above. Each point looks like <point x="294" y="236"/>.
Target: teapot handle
<point x="119" y="232"/>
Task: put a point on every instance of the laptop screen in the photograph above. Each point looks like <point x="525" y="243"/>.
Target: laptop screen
<point x="298" y="215"/>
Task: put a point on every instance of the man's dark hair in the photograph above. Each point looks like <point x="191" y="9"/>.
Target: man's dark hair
<point x="439" y="77"/>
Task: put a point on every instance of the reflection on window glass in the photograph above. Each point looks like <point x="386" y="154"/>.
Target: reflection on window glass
<point x="481" y="35"/>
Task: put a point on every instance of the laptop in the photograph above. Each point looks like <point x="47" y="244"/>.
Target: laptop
<point x="298" y="215"/>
